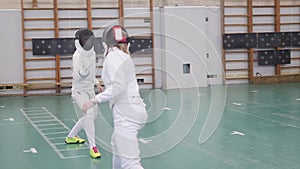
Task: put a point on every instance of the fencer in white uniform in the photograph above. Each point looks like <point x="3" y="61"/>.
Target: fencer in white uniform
<point x="122" y="90"/>
<point x="84" y="80"/>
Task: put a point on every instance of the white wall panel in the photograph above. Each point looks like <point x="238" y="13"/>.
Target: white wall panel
<point x="263" y="19"/>
<point x="185" y="43"/>
<point x="39" y="13"/>
<point x="214" y="46"/>
<point x="11" y="65"/>
<point x="235" y="29"/>
<point x="235" y="11"/>
<point x="237" y="56"/>
<point x="105" y="13"/>
<point x="72" y="14"/>
<point x="41" y="64"/>
<point x="263" y="28"/>
<point x="136" y="12"/>
<point x="239" y="20"/>
<point x="264" y="70"/>
<point x="39" y="24"/>
<point x="72" y="23"/>
<point x="268" y="10"/>
<point x="41" y="73"/>
<point x="67" y="33"/>
<point x="38" y="34"/>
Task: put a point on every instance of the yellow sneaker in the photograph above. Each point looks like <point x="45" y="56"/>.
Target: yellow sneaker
<point x="95" y="153"/>
<point x="74" y="140"/>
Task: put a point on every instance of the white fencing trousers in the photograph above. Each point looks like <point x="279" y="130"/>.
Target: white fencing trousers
<point x="86" y="122"/>
<point x="129" y="118"/>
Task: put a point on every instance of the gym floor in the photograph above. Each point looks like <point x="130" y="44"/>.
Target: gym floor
<point x="257" y="126"/>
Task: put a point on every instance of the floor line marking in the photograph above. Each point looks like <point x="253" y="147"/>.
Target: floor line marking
<point x="237" y="133"/>
<point x="82" y="148"/>
<point x="63" y="132"/>
<point x="35" y="111"/>
<point x="9" y="119"/>
<point x="291" y="117"/>
<point x="72" y="157"/>
<point x="50" y="124"/>
<point x="26" y="108"/>
<point x="38" y="121"/>
<point x="56" y="138"/>
<point x="40" y="117"/>
<point x="35" y="114"/>
<point x="283" y="123"/>
<point x="59" y="144"/>
<point x="51" y="140"/>
<point x="237" y="103"/>
<point x="48" y="140"/>
<point x="53" y="128"/>
<point x="31" y="150"/>
<point x="19" y="123"/>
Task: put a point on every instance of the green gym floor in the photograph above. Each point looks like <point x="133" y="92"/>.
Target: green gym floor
<point x="219" y="127"/>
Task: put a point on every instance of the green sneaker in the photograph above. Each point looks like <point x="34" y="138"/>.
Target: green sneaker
<point x="74" y="140"/>
<point x="94" y="153"/>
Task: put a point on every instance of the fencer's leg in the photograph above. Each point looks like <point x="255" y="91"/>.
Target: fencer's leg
<point x="128" y="120"/>
<point x="77" y="127"/>
<point x="87" y="121"/>
<point x="77" y="97"/>
<point x="127" y="147"/>
<point x="124" y="162"/>
<point x="89" y="126"/>
<point x="116" y="160"/>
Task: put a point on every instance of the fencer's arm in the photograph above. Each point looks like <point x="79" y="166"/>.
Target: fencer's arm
<point x="111" y="91"/>
<point x="106" y="95"/>
<point x="116" y="73"/>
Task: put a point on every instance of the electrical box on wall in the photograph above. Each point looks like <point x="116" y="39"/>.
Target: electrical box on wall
<point x="185" y="63"/>
<point x="186" y="68"/>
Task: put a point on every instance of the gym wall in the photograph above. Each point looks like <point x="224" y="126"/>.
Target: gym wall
<point x="11" y="65"/>
<point x="206" y="45"/>
<point x="182" y="43"/>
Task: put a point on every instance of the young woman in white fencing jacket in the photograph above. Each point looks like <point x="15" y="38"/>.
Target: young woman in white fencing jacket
<point x="122" y="90"/>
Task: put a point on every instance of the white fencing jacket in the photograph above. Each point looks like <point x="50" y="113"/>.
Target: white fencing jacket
<point x="118" y="75"/>
<point x="84" y="69"/>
